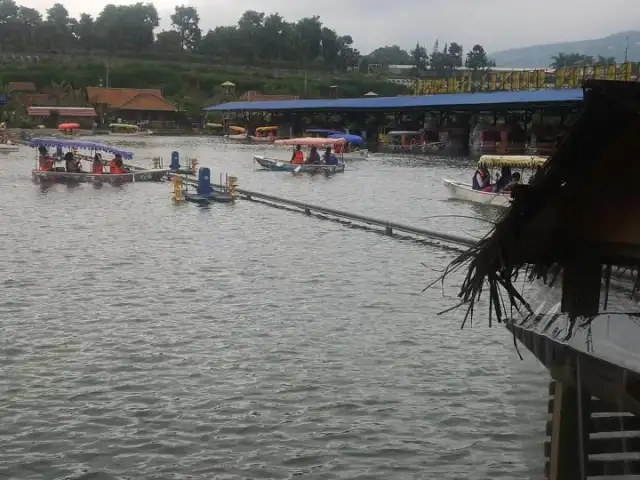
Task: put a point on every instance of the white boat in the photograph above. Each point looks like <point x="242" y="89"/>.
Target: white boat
<point x="9" y="147"/>
<point x="255" y="139"/>
<point x="356" y="155"/>
<point x="464" y="191"/>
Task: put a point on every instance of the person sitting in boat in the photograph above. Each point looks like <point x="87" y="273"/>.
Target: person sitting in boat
<point x="337" y="148"/>
<point x="536" y="176"/>
<point x="330" y="158"/>
<point x="314" y="156"/>
<point x="71" y="164"/>
<point x="45" y="161"/>
<point x="98" y="167"/>
<point x="297" y="157"/>
<point x="515" y="180"/>
<point x="504" y="180"/>
<point x="481" y="179"/>
<point x="116" y="166"/>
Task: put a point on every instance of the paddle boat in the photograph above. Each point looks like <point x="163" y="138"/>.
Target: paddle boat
<point x="69" y="128"/>
<point x="128" y="130"/>
<point x="7" y="146"/>
<point x="265" y="135"/>
<point x="278" y="165"/>
<point x="351" y="153"/>
<point x="465" y="191"/>
<point x="215" y="129"/>
<point x="239" y="134"/>
<point x="85" y="152"/>
<point x="206" y="193"/>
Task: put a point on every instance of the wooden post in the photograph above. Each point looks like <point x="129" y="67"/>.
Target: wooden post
<point x="569" y="434"/>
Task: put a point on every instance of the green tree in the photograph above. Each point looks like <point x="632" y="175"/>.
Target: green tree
<point x="605" y="60"/>
<point x="389" y="55"/>
<point x="85" y="32"/>
<point x="420" y="57"/>
<point x="186" y="22"/>
<point x="477" y="59"/>
<point x="571" y="60"/>
<point x="8" y="24"/>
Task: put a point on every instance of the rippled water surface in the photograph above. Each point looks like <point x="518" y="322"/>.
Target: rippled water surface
<point x="143" y="340"/>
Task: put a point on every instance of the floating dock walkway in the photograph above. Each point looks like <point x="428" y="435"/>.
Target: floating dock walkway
<point x="353" y="220"/>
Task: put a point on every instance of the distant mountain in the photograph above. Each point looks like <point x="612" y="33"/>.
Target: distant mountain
<point x="540" y="55"/>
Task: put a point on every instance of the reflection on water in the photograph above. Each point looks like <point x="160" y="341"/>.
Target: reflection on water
<point x="152" y="341"/>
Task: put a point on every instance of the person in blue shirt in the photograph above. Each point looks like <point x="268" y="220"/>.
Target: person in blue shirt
<point x="330" y="158"/>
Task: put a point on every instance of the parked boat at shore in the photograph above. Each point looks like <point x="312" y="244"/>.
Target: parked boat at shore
<point x="52" y="174"/>
<point x="465" y="191"/>
<point x="264" y="134"/>
<point x="128" y="130"/>
<point x="7" y="146"/>
<point x="239" y="134"/>
<point x="351" y="150"/>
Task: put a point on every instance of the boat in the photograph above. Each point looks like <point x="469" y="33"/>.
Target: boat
<point x="277" y="165"/>
<point x="239" y="134"/>
<point x="355" y="140"/>
<point x="215" y="129"/>
<point x="60" y="175"/>
<point x="321" y="132"/>
<point x="7" y="146"/>
<point x="464" y="191"/>
<point x="128" y="130"/>
<point x="69" y="128"/>
<point x="265" y="135"/>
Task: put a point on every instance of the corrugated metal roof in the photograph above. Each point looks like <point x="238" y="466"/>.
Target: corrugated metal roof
<point x="62" y="111"/>
<point x="450" y="100"/>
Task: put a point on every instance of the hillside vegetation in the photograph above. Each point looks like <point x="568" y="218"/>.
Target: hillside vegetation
<point x="542" y="56"/>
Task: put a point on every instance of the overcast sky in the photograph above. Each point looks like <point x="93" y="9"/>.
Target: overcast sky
<point x="495" y="24"/>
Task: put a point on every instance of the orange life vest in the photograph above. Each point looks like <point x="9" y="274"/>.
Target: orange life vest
<point x="298" y="157"/>
<point x="46" y="164"/>
<point x="337" y="148"/>
<point x="114" y="168"/>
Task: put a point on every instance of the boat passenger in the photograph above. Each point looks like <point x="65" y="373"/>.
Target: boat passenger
<point x="98" y="167"/>
<point x="330" y="158"/>
<point x="481" y="179"/>
<point x="504" y="180"/>
<point x="116" y="166"/>
<point x="536" y="176"/>
<point x="514" y="181"/>
<point x="71" y="164"/>
<point x="45" y="161"/>
<point x="337" y="148"/>
<point x="314" y="156"/>
<point x="298" y="156"/>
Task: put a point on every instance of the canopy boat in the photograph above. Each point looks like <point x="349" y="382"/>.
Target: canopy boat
<point x="265" y="135"/>
<point x="237" y="133"/>
<point x="322" y="132"/>
<point x="216" y="129"/>
<point x="275" y="164"/>
<point x="351" y="150"/>
<point x="128" y="130"/>
<point x="60" y="175"/>
<point x="465" y="191"/>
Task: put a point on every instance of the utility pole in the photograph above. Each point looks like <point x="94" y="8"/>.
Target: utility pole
<point x="626" y="49"/>
<point x="107" y="73"/>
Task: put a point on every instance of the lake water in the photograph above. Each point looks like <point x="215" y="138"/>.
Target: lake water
<point x="143" y="340"/>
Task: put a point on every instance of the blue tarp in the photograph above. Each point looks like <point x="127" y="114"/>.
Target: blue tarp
<point x="355" y="139"/>
<point x="83" y="145"/>
<point x="444" y="100"/>
<point x="3" y="99"/>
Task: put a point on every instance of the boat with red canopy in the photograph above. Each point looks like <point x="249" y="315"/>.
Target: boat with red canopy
<point x="275" y="164"/>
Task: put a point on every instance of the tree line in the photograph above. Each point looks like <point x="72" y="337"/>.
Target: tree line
<point x="256" y="36"/>
<point x="563" y="59"/>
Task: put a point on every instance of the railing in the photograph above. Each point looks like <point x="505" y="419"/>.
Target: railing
<point x="389" y="227"/>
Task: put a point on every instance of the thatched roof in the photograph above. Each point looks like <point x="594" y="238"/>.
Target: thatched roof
<point x="585" y="205"/>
